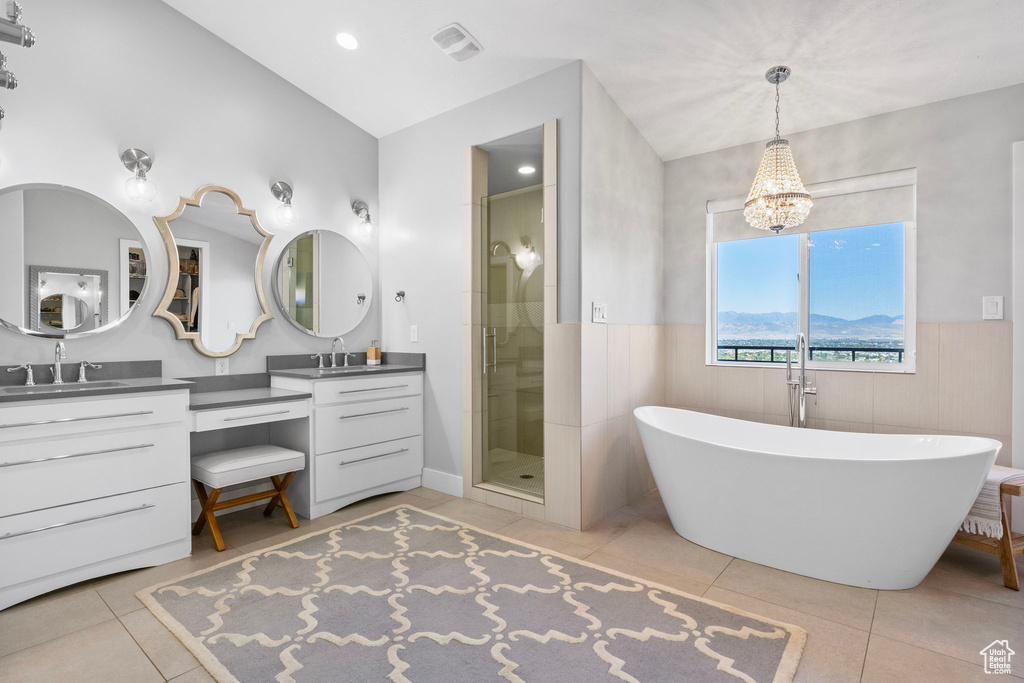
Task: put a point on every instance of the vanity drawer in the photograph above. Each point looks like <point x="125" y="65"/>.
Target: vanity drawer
<point x="48" y="419"/>
<point x="367" y="388"/>
<point x="208" y="420"/>
<point x="345" y="472"/>
<point x="353" y="425"/>
<point x="43" y="474"/>
<point x="46" y="542"/>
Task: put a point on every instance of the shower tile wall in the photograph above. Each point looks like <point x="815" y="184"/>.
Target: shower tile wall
<point x="962" y="386"/>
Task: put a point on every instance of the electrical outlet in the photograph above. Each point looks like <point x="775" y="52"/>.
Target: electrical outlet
<point x="414" y="333"/>
<point x="220" y="366"/>
<point x="231" y="324"/>
<point x="600" y="313"/>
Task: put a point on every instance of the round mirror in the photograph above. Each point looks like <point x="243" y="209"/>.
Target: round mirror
<point x="70" y="263"/>
<point x="323" y="284"/>
<point x="64" y="312"/>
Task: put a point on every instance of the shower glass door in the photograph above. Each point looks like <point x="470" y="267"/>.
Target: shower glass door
<point x="512" y="270"/>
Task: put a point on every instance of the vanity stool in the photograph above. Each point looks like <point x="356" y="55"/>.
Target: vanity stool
<point x="238" y="466"/>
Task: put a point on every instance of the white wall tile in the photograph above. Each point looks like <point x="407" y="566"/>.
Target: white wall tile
<point x="562" y="374"/>
<point x="975" y="382"/>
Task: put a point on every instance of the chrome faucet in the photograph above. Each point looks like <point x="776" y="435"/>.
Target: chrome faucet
<point x="798" y="388"/>
<point x="29" y="379"/>
<point x="334" y="352"/>
<point x="59" y="354"/>
<point x="81" y="370"/>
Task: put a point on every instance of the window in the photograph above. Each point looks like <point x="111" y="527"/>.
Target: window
<point x="846" y="289"/>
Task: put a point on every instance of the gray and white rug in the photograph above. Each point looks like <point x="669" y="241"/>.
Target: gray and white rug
<point x="406" y="595"/>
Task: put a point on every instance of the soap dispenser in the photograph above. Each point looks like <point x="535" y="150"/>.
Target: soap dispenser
<point x="373" y="353"/>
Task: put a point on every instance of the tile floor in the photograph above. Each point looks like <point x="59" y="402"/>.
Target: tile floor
<point x="98" y="631"/>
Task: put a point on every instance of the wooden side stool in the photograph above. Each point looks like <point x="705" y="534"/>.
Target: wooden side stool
<point x="1006" y="548"/>
<point x="238" y="466"/>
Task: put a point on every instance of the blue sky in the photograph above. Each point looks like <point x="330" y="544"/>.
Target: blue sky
<point x="854" y="273"/>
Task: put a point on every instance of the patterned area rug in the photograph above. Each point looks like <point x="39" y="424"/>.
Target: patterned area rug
<point x="405" y="595"/>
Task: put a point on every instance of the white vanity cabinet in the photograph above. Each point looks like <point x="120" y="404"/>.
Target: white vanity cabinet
<point x="91" y="486"/>
<point x="365" y="438"/>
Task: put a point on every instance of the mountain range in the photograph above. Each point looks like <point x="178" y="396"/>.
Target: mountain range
<point x="736" y="325"/>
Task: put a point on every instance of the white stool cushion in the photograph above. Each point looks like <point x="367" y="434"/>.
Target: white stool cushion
<point x="239" y="465"/>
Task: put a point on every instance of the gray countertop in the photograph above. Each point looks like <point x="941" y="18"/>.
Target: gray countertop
<point x="351" y="371"/>
<point x="44" y="392"/>
<point x="234" y="398"/>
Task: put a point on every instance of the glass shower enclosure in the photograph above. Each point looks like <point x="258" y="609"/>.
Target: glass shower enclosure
<point x="512" y="273"/>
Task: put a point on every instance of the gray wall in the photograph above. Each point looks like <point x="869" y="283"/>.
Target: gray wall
<point x="961" y="149"/>
<point x="208" y="114"/>
<point x="622" y="190"/>
<point x="421" y="234"/>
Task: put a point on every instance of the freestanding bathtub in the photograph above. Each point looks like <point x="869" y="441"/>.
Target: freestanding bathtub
<point x="870" y="510"/>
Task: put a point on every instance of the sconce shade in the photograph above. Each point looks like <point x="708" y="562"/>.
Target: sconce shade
<point x="140" y="189"/>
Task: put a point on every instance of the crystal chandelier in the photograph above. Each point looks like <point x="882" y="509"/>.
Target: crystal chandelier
<point x="777" y="199"/>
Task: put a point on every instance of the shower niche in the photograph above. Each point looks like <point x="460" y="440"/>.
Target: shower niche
<point x="510" y="288"/>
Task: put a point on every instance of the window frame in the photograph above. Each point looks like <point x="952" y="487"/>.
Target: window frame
<point x="909" y="364"/>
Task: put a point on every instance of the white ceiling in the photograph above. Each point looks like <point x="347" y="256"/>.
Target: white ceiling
<point x="689" y="73"/>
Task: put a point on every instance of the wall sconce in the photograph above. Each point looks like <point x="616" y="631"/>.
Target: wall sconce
<point x="529" y="259"/>
<point x="11" y="30"/>
<point x="286" y="213"/>
<point x="139" y="188"/>
<point x="361" y="209"/>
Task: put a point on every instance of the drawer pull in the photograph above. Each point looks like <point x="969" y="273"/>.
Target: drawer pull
<point x="249" y="417"/>
<point x="359" y="391"/>
<point x="76" y="419"/>
<point x="77" y="455"/>
<point x="376" y="412"/>
<point x="77" y="521"/>
<point x="374" y="457"/>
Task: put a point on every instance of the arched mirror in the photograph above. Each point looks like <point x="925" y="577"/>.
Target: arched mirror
<point x="215" y="252"/>
<point x="71" y="264"/>
<point x="323" y="284"/>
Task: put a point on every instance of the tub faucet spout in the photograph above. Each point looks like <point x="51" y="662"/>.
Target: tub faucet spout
<point x="798" y="388"/>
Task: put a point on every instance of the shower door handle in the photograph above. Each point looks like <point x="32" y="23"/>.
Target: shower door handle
<point x="494" y="349"/>
<point x="493" y="336"/>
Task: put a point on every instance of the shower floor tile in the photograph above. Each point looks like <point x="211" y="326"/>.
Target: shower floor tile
<point x="513" y="470"/>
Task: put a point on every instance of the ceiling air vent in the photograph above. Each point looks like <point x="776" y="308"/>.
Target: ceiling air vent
<point x="456" y="42"/>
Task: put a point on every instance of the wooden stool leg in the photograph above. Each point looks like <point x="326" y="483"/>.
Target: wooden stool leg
<point x="1010" y="578"/>
<point x="197" y="528"/>
<point x="276" y="499"/>
<point x="207" y="516"/>
<point x="282" y="497"/>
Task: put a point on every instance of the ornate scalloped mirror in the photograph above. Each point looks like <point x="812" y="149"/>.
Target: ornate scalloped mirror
<point x="215" y="253"/>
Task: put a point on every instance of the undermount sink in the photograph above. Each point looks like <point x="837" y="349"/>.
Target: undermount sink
<point x="61" y="388"/>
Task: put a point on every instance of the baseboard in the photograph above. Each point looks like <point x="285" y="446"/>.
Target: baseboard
<point x="443" y="482"/>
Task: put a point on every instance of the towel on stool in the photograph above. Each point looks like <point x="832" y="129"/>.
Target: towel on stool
<point x="985" y="516"/>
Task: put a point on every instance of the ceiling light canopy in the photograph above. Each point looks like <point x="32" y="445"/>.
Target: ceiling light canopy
<point x="777" y="199"/>
<point x="347" y="41"/>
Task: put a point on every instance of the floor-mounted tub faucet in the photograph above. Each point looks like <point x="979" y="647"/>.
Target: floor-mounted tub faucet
<point x="798" y="388"/>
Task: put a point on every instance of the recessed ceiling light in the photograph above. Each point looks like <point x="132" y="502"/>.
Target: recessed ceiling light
<point x="527" y="170"/>
<point x="347" y="41"/>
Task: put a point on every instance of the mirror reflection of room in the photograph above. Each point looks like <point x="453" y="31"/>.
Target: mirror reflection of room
<point x="66" y="253"/>
<point x="324" y="284"/>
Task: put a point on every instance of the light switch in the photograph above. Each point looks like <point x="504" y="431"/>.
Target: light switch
<point x="991" y="308"/>
<point x="414" y="333"/>
<point x="600" y="313"/>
